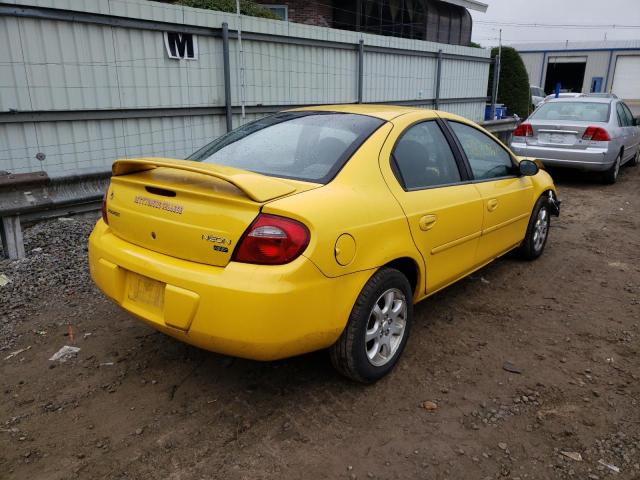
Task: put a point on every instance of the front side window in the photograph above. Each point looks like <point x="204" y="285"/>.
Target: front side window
<point x="576" y="111"/>
<point x="423" y="158"/>
<point x="309" y="146"/>
<point x="486" y="157"/>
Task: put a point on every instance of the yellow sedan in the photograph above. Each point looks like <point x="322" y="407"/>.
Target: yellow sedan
<point x="315" y="228"/>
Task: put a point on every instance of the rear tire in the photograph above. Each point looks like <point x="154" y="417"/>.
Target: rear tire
<point x="611" y="176"/>
<point x="537" y="231"/>
<point x="377" y="330"/>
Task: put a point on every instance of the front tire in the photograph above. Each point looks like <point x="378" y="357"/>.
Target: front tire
<point x="636" y="159"/>
<point x="377" y="330"/>
<point x="537" y="231"/>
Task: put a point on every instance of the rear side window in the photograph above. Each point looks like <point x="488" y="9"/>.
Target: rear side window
<point x="309" y="146"/>
<point x="576" y="111"/>
<point x="486" y="157"/>
<point x="625" y="119"/>
<point x="630" y="116"/>
<point x="423" y="158"/>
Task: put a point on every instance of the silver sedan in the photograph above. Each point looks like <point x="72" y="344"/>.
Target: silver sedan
<point x="589" y="133"/>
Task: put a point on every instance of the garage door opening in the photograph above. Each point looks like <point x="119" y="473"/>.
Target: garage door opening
<point x="567" y="71"/>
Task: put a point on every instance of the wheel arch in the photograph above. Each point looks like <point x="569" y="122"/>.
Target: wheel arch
<point x="410" y="269"/>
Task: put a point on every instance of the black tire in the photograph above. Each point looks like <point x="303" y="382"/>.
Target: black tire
<point x="636" y="159"/>
<point x="611" y="176"/>
<point x="531" y="248"/>
<point x="349" y="353"/>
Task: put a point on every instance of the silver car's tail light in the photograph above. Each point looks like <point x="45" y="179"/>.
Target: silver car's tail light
<point x="596" y="134"/>
<point x="523" y="130"/>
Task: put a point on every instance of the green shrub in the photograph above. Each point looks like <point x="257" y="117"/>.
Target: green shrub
<point x="247" y="7"/>
<point x="514" y="89"/>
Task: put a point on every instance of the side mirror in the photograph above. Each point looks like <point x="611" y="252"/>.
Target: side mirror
<point x="636" y="122"/>
<point x="528" y="168"/>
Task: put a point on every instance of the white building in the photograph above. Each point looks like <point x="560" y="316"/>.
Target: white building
<point x="587" y="67"/>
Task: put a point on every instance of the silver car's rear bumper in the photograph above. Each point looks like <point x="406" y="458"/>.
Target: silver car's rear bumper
<point x="595" y="159"/>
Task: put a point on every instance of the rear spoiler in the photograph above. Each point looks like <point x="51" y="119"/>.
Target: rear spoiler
<point x="259" y="188"/>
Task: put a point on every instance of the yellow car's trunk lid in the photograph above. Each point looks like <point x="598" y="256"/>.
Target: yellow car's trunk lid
<point x="186" y="209"/>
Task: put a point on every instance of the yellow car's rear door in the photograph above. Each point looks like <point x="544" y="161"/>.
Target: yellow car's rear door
<point x="507" y="197"/>
<point x="443" y="208"/>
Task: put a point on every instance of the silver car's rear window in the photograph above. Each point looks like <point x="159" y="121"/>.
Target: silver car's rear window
<point x="573" y="111"/>
<point x="310" y="146"/>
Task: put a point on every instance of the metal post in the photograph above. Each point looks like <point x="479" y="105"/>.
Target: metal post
<point x="496" y="79"/>
<point x="227" y="75"/>
<point x="436" y="102"/>
<point x="494" y="90"/>
<point x="12" y="241"/>
<point x="360" y="69"/>
<point x="241" y="59"/>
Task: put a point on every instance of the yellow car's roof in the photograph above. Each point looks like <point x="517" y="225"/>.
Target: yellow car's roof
<point x="384" y="112"/>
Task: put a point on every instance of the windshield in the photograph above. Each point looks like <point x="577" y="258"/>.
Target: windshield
<point x="576" y="111"/>
<point x="309" y="146"/>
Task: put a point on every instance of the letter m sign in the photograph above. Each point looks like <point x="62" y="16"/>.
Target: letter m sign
<point x="181" y="46"/>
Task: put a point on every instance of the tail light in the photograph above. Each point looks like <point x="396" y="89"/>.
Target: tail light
<point x="105" y="218"/>
<point x="272" y="240"/>
<point x="596" y="134"/>
<point x="523" y="130"/>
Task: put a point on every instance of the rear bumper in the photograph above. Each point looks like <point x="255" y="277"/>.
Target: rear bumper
<point x="592" y="159"/>
<point x="250" y="311"/>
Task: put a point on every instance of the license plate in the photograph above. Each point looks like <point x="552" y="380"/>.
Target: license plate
<point x="557" y="138"/>
<point x="145" y="290"/>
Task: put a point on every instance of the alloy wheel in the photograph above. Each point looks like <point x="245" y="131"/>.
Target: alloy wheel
<point x="386" y="327"/>
<point x="541" y="229"/>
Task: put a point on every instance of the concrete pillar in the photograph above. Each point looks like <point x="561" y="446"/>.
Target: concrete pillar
<point x="12" y="241"/>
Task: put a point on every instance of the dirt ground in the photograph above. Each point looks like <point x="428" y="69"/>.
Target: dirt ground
<point x="135" y="404"/>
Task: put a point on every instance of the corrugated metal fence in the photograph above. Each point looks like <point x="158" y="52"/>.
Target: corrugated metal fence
<point x="83" y="82"/>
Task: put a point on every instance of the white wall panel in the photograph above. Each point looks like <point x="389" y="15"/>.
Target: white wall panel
<point x="533" y="64"/>
<point x="14" y="93"/>
<point x="53" y="65"/>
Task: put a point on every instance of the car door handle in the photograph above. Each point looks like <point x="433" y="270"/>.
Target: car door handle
<point x="492" y="204"/>
<point x="427" y="222"/>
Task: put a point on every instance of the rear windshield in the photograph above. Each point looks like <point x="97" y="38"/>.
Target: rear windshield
<point x="576" y="111"/>
<point x="309" y="146"/>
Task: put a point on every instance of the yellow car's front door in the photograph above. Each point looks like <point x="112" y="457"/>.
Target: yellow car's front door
<point x="443" y="209"/>
<point x="507" y="197"/>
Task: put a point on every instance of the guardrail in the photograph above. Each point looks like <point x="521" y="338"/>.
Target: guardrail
<point x="30" y="197"/>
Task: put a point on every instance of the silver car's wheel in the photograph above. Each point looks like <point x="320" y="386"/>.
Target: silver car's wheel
<point x="611" y="175"/>
<point x="385" y="328"/>
<point x="541" y="229"/>
<point x="636" y="159"/>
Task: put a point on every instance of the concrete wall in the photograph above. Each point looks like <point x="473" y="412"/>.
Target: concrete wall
<point x="88" y="89"/>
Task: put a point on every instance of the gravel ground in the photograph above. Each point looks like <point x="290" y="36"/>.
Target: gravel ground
<point x="134" y="404"/>
<point x="54" y="271"/>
